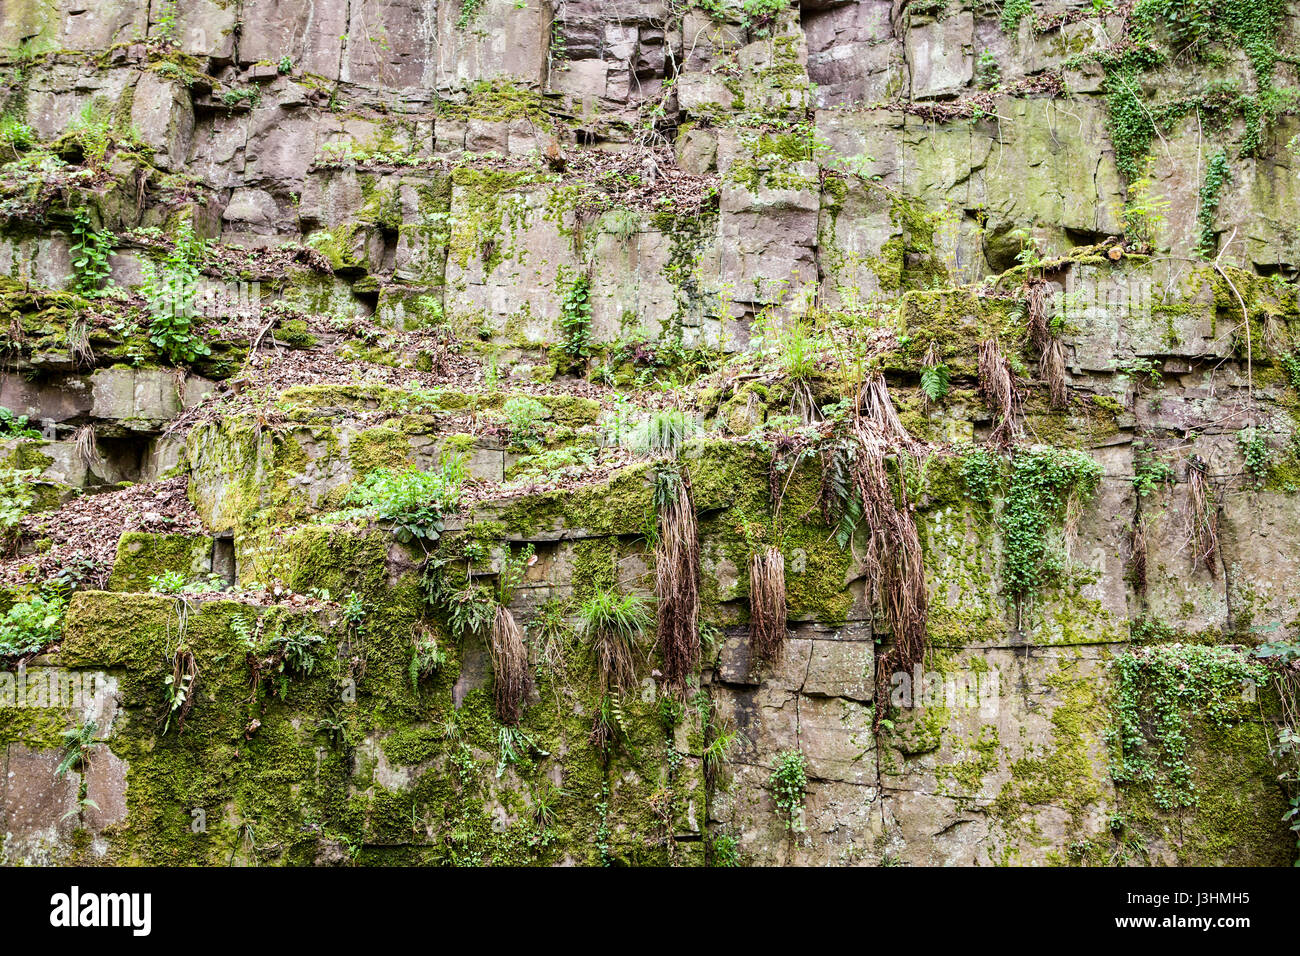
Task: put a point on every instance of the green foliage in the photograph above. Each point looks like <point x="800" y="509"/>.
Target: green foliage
<point x="1157" y="688"/>
<point x="15" y="135"/>
<point x="1013" y="11"/>
<point x="1216" y="174"/>
<point x="16" y="426"/>
<point x="789" y="783"/>
<point x="751" y="14"/>
<point x="1291" y="365"/>
<point x="468" y="11"/>
<point x="661" y="433"/>
<point x="726" y="851"/>
<point x="1042" y="482"/>
<point x="16" y="497"/>
<point x="30" y="625"/>
<point x="525" y="416"/>
<point x="513" y="568"/>
<point x="173" y="582"/>
<point x="1143" y="368"/>
<point x="1144" y="211"/>
<point x="247" y="95"/>
<point x="415" y="502"/>
<point x="988" y="73"/>
<point x="1149" y="472"/>
<point x="164" y="24"/>
<point x="76" y="742"/>
<point x="798" y="351"/>
<point x="981" y="473"/>
<point x="1255" y="451"/>
<point x="623" y="615"/>
<point x="1130" y="122"/>
<point x="169" y="291"/>
<point x="575" y="318"/>
<point x="426" y="658"/>
<point x="296" y="652"/>
<point x="90" y="251"/>
<point x="91" y="131"/>
<point x="470" y="610"/>
<point x="285" y="66"/>
<point x="169" y="582"/>
<point x="934" y="382"/>
<point x="1160" y="30"/>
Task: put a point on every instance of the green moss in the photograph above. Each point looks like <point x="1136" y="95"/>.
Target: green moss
<point x="142" y="555"/>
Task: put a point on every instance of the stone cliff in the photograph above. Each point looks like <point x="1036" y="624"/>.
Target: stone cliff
<point x="705" y="433"/>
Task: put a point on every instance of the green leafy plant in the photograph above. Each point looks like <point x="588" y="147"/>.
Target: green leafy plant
<point x="525" y="416"/>
<point x="15" y="135"/>
<point x="1149" y="472"/>
<point x="77" y="741"/>
<point x="415" y="502"/>
<point x="1144" y="211"/>
<point x="468" y="11"/>
<point x="981" y="473"/>
<point x="934" y="382"/>
<point x="16" y="498"/>
<point x="1159" y="689"/>
<point x="16" y="426"/>
<point x="614" y="621"/>
<point x="170" y="292"/>
<point x="789" y="783"/>
<point x="661" y="433"/>
<point x="988" y="73"/>
<point x="1042" y="483"/>
<point x="575" y="318"/>
<point x="31" y="625"/>
<point x="90" y="251"/>
<point x="296" y="653"/>
<point x="178" y="688"/>
<point x="426" y="656"/>
<point x="1255" y="451"/>
<point x="1216" y="176"/>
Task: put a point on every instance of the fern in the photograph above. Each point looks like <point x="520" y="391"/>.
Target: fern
<point x="934" y="383"/>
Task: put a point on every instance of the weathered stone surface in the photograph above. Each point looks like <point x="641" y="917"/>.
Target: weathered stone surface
<point x="162" y="113"/>
<point x="940" y="55"/>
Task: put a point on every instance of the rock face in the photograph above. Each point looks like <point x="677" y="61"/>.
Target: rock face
<point x="334" y="327"/>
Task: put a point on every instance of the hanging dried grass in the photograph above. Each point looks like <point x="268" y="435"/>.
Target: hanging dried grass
<point x="877" y="407"/>
<point x="1204" y="517"/>
<point x="509" y="666"/>
<point x="79" y="343"/>
<point x="767" y="612"/>
<point x="1001" y="392"/>
<point x="181" y="687"/>
<point x="1036" y="306"/>
<point x="1138" y="554"/>
<point x="894" y="560"/>
<point x="1051" y="366"/>
<point x="1051" y="354"/>
<point x="86" y="448"/>
<point x="677" y="577"/>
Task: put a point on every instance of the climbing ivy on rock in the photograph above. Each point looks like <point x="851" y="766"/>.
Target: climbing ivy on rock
<point x="1216" y="174"/>
<point x="1041" y="482"/>
<point x="1158" y="689"/>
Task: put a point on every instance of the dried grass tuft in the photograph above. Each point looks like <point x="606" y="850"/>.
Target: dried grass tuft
<point x="1001" y="393"/>
<point x="509" y="666"/>
<point x="1138" y="554"/>
<point x="677" y="577"/>
<point x="767" y="610"/>
<point x="1204" y="517"/>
